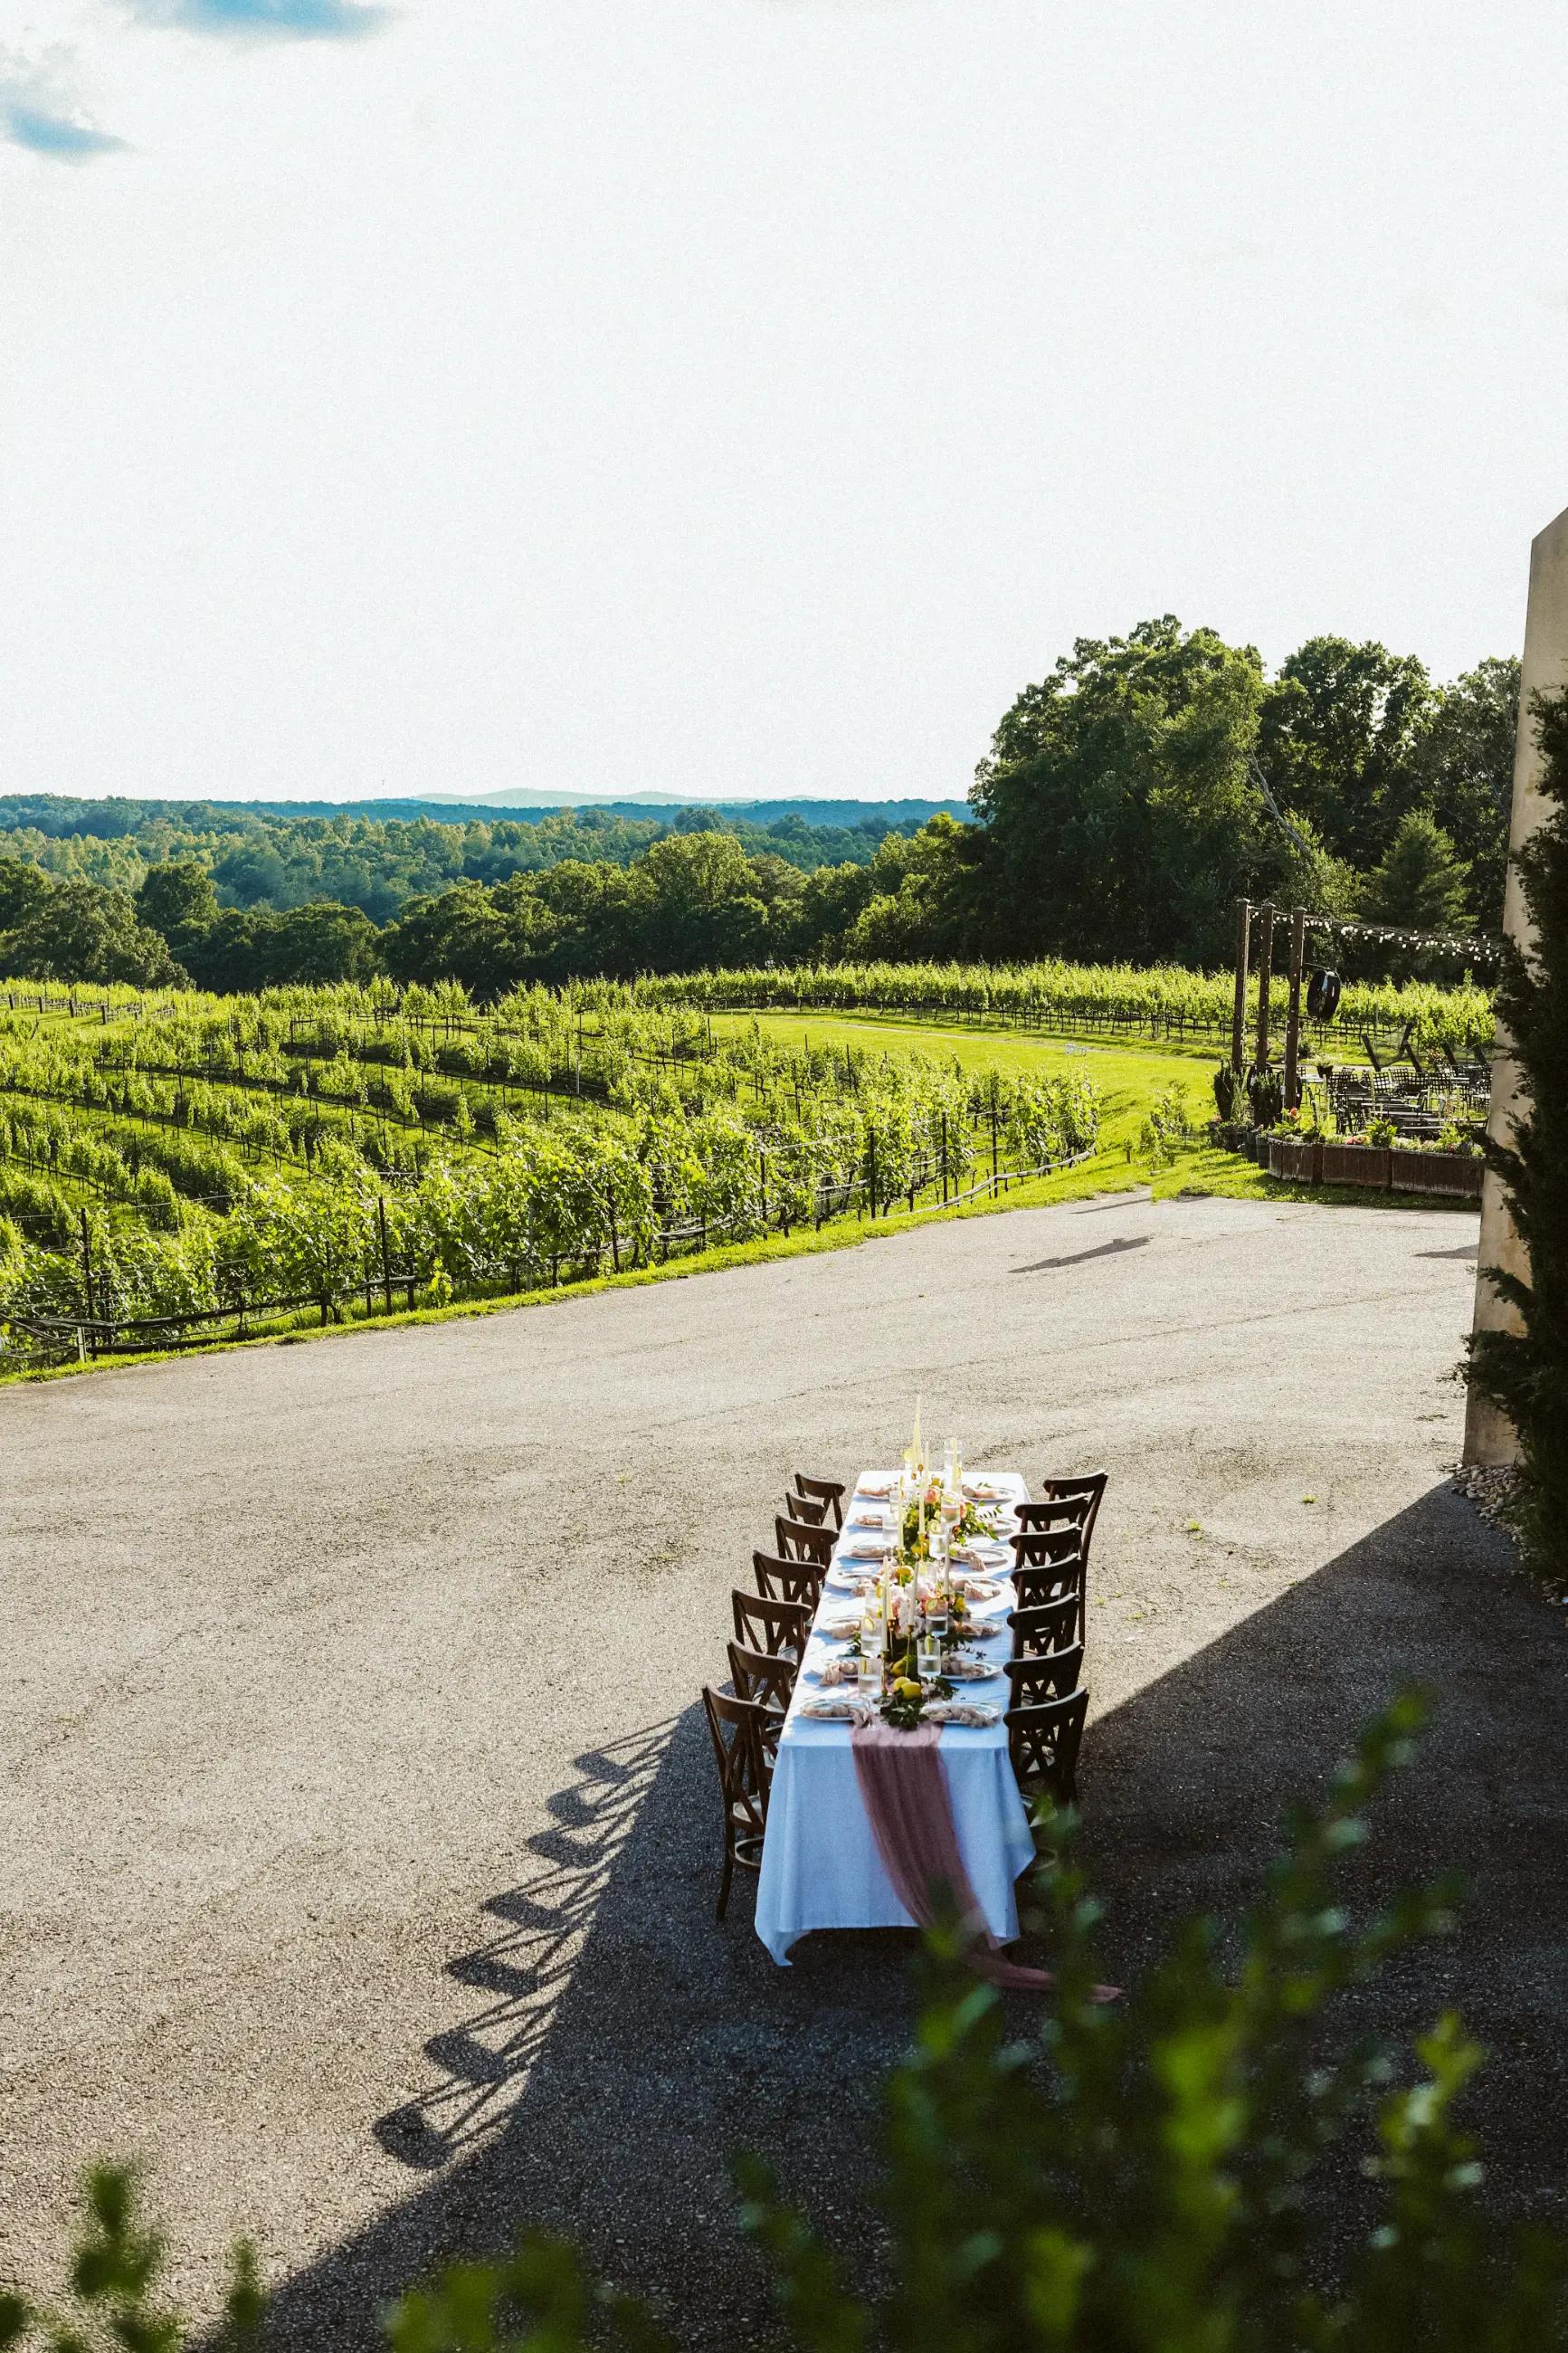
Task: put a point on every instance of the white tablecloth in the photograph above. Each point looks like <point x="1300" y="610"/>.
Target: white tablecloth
<point x="820" y="1864"/>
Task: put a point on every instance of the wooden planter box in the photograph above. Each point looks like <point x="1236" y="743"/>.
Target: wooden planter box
<point x="1293" y="1157"/>
<point x="1356" y="1163"/>
<point x="1455" y="1175"/>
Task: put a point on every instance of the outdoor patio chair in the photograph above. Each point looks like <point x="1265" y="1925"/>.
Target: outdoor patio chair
<point x="1051" y="1517"/>
<point x="775" y="1627"/>
<point x="1047" y="1628"/>
<point x="737" y="1727"/>
<point x="1043" y="1742"/>
<point x="1035" y="1589"/>
<point x="787" y="1581"/>
<point x="1084" y="1483"/>
<point x="805" y="1507"/>
<point x="1047" y="1547"/>
<point x="769" y="1681"/>
<point x="1033" y="1680"/>
<point x="794" y="1540"/>
<point x="828" y="1493"/>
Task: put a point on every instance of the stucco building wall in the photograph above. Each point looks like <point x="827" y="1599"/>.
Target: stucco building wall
<point x="1488" y="1437"/>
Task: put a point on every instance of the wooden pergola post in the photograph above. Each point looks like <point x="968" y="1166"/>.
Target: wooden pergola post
<point x="1293" y="1016"/>
<point x="1265" y="979"/>
<point x="1239" y="1011"/>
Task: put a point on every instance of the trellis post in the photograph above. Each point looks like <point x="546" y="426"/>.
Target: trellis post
<point x="1238" y="1009"/>
<point x="1265" y="979"/>
<point x="1293" y="1016"/>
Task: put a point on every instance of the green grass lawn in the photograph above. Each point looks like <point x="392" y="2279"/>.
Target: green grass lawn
<point x="1128" y="1078"/>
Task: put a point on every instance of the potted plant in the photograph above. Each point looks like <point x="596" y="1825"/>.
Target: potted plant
<point x="1295" y="1150"/>
<point x="1231" y="1129"/>
<point x="1450" y="1165"/>
<point x="1266" y="1099"/>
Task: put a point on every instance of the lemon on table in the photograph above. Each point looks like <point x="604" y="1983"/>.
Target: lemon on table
<point x="906" y="1688"/>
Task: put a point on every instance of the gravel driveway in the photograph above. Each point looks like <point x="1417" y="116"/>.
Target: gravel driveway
<point x="358" y="1836"/>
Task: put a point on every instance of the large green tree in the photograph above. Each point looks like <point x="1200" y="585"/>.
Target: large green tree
<point x="1419" y="882"/>
<point x="1122" y="815"/>
<point x="1464" y="767"/>
<point x="76" y="931"/>
<point x="1339" y="737"/>
<point x="926" y="896"/>
<point x="178" y="899"/>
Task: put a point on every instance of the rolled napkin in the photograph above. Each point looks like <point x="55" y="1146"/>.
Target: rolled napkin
<point x="979" y="1588"/>
<point x="968" y="1671"/>
<point x="871" y="1516"/>
<point x="976" y="1712"/>
<point x="869" y="1549"/>
<point x="842" y="1627"/>
<point x="836" y="1711"/>
<point x="985" y="1491"/>
<point x="838" y="1670"/>
<point x="877" y="1485"/>
<point x="847" y="1578"/>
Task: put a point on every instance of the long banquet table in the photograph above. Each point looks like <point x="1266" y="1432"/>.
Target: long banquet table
<point x="820" y="1864"/>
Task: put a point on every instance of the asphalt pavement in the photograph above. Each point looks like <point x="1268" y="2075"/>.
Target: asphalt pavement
<point x="359" y="1840"/>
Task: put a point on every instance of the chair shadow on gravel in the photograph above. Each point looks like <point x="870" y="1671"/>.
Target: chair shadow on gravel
<point x="622" y="2044"/>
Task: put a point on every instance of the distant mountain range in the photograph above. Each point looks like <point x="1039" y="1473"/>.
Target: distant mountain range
<point x="450" y="808"/>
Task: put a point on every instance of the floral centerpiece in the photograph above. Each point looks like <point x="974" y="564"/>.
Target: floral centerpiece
<point x="923" y="1515"/>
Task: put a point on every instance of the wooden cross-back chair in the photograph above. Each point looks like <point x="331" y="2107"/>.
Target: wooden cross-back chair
<point x="1046" y="1547"/>
<point x="787" y="1581"/>
<point x="1048" y="1515"/>
<point x="1055" y="1675"/>
<point x="1047" y="1628"/>
<point x="775" y="1627"/>
<point x="805" y="1507"/>
<point x="770" y="1681"/>
<point x="1043" y="1742"/>
<point x="1037" y="1588"/>
<point x="1083" y="1486"/>
<point x="738" y="1729"/>
<point x="828" y="1493"/>
<point x="794" y="1540"/>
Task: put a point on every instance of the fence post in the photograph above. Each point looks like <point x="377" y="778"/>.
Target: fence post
<point x="871" y="1167"/>
<point x="385" y="1253"/>
<point x="87" y="1268"/>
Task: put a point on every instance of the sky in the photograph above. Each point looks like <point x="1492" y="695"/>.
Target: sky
<point x="743" y="396"/>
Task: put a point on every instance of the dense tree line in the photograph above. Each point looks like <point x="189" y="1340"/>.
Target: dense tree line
<point x="1150" y="780"/>
<point x="262" y="859"/>
<point x="1126" y="800"/>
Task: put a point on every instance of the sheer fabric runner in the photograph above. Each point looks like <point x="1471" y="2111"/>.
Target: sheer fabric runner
<point x="905" y="1793"/>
